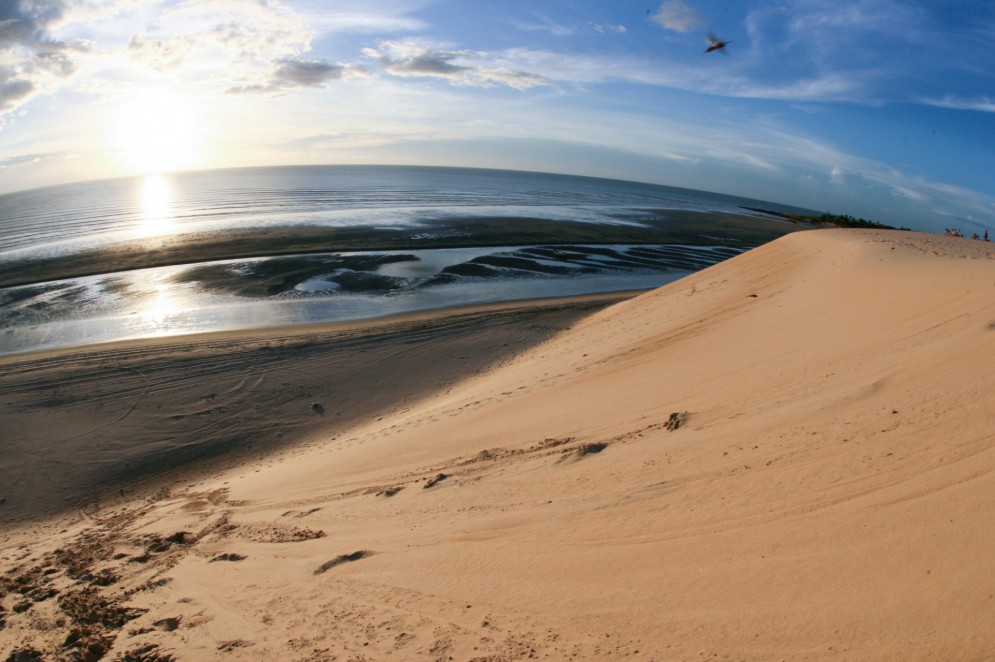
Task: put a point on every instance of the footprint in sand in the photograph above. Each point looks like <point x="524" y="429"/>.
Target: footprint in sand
<point x="167" y="624"/>
<point x="342" y="558"/>
<point x="276" y="533"/>
<point x="435" y="481"/>
<point x="582" y="451"/>
<point x="228" y="556"/>
<point x="229" y="646"/>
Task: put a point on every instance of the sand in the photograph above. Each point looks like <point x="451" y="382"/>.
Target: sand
<point x="786" y="456"/>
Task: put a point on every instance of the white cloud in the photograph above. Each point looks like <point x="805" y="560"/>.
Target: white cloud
<point x="160" y="54"/>
<point x="982" y="104"/>
<point x="234" y="46"/>
<point x="605" y="28"/>
<point x="89" y="11"/>
<point x="244" y="31"/>
<point x="679" y="16"/>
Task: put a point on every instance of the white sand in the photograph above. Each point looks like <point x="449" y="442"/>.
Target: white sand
<point x="830" y="495"/>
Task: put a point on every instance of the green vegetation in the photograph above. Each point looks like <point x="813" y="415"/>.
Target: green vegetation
<point x="836" y="220"/>
<point x="847" y="221"/>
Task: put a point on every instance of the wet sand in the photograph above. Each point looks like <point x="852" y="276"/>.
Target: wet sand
<point x="654" y="227"/>
<point x="100" y="421"/>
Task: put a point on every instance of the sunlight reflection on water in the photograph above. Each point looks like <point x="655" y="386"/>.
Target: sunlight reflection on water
<point x="186" y="299"/>
<point x="157" y="215"/>
<point x="164" y="307"/>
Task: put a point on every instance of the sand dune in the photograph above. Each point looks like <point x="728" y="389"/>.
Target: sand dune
<point x="789" y="455"/>
<point x="97" y="419"/>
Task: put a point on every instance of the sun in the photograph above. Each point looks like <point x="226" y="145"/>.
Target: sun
<point x="157" y="131"/>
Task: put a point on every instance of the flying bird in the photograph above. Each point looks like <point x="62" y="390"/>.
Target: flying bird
<point x="714" y="44"/>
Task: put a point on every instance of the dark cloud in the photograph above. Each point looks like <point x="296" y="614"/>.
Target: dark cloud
<point x="25" y="23"/>
<point x="519" y="80"/>
<point x="431" y="64"/>
<point x="410" y="59"/>
<point x="30" y="56"/>
<point x="306" y="73"/>
<point x="13" y="90"/>
<point x="294" y="73"/>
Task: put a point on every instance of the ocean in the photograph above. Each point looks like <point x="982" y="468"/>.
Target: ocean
<point x="257" y="247"/>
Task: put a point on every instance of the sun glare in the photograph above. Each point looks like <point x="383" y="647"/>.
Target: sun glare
<point x="156" y="131"/>
<point x="156" y="200"/>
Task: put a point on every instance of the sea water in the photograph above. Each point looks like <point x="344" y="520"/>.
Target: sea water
<point x="63" y="220"/>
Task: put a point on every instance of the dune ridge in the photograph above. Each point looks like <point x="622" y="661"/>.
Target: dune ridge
<point x="788" y="455"/>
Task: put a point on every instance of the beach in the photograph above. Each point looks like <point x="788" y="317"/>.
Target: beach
<point x="787" y="455"/>
<point x="96" y="419"/>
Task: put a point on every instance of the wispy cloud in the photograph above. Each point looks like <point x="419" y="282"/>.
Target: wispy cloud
<point x="832" y="87"/>
<point x="609" y="28"/>
<point x="549" y="26"/>
<point x="983" y="104"/>
<point x="376" y="17"/>
<point x="24" y="159"/>
<point x="751" y="156"/>
<point x="887" y="50"/>
<point x="331" y="21"/>
<point x="679" y="16"/>
<point x="892" y="20"/>
<point x="325" y="142"/>
<point x="694" y="76"/>
<point x="542" y="23"/>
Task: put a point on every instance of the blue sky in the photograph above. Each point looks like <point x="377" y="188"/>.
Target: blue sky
<point x="878" y="108"/>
